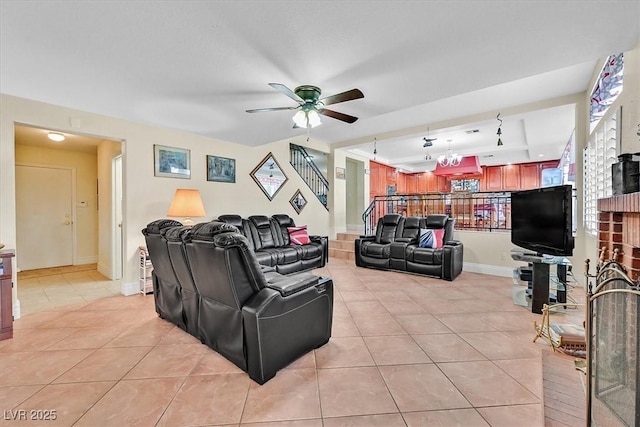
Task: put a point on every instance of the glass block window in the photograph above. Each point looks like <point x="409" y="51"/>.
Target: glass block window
<point x="607" y="88"/>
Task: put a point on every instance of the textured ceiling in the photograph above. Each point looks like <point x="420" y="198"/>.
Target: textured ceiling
<point x="197" y="66"/>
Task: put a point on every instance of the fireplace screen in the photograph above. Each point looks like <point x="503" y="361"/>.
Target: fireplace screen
<point x="614" y="374"/>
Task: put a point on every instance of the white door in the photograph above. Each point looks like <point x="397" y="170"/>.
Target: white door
<point x="116" y="189"/>
<point x="44" y="217"/>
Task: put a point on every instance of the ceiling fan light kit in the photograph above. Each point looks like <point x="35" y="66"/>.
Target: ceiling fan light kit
<point x="310" y="106"/>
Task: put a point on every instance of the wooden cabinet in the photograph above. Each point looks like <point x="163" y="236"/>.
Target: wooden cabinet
<point x="530" y="173"/>
<point x="511" y="177"/>
<point x="529" y="176"/>
<point x="421" y="182"/>
<point x="6" y="295"/>
<point x="493" y="178"/>
<point x="378" y="179"/>
<point x="401" y="183"/>
<point x="411" y="186"/>
<point x="443" y="184"/>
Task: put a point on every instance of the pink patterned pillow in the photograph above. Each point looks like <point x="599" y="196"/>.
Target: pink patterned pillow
<point x="299" y="235"/>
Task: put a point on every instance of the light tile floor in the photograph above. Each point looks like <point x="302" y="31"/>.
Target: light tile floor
<point x="405" y="351"/>
<point x="48" y="288"/>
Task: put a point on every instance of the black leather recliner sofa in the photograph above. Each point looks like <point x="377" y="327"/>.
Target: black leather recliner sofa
<point x="269" y="238"/>
<point x="395" y="246"/>
<point x="208" y="282"/>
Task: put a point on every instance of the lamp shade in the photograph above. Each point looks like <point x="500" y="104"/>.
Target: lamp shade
<point x="186" y="203"/>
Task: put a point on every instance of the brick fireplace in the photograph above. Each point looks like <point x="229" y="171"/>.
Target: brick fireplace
<point x="619" y="228"/>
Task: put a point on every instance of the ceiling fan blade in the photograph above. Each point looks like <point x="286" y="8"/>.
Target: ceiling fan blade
<point x="335" y="115"/>
<point x="343" y="97"/>
<point x="261" y="110"/>
<point x="283" y="89"/>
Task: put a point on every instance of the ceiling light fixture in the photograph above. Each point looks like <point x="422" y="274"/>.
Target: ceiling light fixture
<point x="307" y="118"/>
<point x="55" y="136"/>
<point x="499" y="130"/>
<point x="450" y="159"/>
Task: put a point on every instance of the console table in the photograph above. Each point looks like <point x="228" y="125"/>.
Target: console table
<point x="541" y="277"/>
<point x="6" y="297"/>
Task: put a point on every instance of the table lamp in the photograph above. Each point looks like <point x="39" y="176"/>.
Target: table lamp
<point x="186" y="203"/>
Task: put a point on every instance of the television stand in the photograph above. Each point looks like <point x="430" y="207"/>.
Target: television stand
<point x="541" y="277"/>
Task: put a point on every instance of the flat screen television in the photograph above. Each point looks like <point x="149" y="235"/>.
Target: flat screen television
<point x="541" y="220"/>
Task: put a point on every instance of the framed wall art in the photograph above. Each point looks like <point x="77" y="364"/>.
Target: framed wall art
<point x="171" y="162"/>
<point x="221" y="169"/>
<point x="269" y="176"/>
<point x="341" y="173"/>
<point x="298" y="201"/>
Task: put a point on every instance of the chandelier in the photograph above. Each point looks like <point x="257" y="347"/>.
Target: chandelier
<point x="450" y="159"/>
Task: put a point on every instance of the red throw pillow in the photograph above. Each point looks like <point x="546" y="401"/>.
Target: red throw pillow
<point x="299" y="235"/>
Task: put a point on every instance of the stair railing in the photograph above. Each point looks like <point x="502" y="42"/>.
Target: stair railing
<point x="303" y="163"/>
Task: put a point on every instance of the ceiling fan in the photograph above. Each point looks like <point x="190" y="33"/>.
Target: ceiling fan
<point x="310" y="105"/>
<point x="428" y="142"/>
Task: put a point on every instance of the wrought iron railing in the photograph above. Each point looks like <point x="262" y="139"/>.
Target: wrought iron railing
<point x="309" y="172"/>
<point x="483" y="211"/>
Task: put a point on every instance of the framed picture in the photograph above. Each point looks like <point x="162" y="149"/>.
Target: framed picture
<point x="298" y="201"/>
<point x="172" y="162"/>
<point x="221" y="169"/>
<point x="340" y="173"/>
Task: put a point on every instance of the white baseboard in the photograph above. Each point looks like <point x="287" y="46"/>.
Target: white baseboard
<point x="16" y="309"/>
<point x="130" y="288"/>
<point x="104" y="270"/>
<point x="492" y="270"/>
<point x="86" y="260"/>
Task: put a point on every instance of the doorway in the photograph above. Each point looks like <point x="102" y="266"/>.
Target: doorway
<point x="93" y="218"/>
<point x="116" y="223"/>
<point x="44" y="208"/>
<point x="355" y="195"/>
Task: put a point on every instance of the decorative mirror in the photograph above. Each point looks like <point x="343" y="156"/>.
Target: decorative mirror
<point x="298" y="201"/>
<point x="269" y="176"/>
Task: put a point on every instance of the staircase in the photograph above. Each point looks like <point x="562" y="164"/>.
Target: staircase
<point x="343" y="247"/>
<point x="303" y="164"/>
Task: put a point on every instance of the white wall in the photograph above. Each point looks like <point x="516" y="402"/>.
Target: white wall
<point x="146" y="197"/>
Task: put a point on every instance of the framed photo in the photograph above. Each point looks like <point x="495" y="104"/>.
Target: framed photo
<point x="298" y="201"/>
<point x="172" y="162"/>
<point x="221" y="169"/>
<point x="340" y="173"/>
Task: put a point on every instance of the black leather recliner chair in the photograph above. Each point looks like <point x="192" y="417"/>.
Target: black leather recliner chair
<point x="375" y="251"/>
<point x="167" y="289"/>
<point x="259" y="324"/>
<point x="190" y="294"/>
<point x="269" y="238"/>
<point x="396" y="246"/>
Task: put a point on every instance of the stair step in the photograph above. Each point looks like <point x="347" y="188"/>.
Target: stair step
<point x="341" y="244"/>
<point x="348" y="236"/>
<point x="342" y="254"/>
